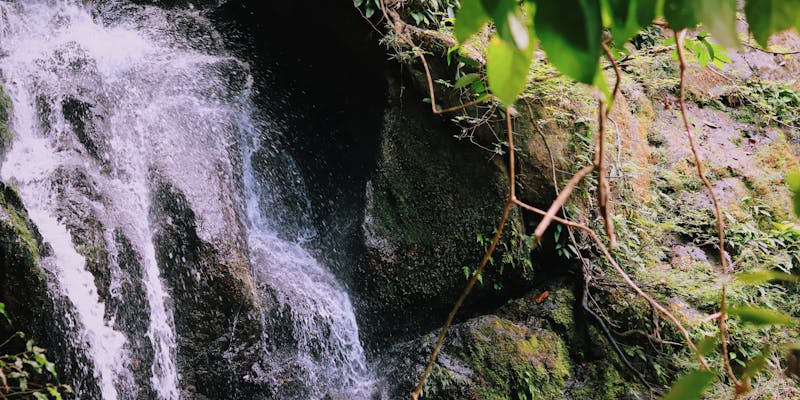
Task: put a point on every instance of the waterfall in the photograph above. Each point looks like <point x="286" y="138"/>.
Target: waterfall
<point x="101" y="99"/>
<point x="328" y="353"/>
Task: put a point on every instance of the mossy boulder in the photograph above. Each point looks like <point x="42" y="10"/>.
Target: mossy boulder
<point x="427" y="202"/>
<point x="20" y="247"/>
<point x="487" y="358"/>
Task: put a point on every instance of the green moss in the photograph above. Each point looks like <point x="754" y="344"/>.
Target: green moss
<point x="6" y="136"/>
<point x="512" y="361"/>
<point x="16" y="224"/>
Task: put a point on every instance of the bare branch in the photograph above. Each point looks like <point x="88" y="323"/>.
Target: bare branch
<point x="723" y="326"/>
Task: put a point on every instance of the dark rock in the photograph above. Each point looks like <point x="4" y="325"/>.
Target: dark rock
<point x="82" y="118"/>
<point x="429" y="198"/>
<point x="6" y="137"/>
<point x="215" y="311"/>
<point x="130" y="311"/>
<point x="78" y="198"/>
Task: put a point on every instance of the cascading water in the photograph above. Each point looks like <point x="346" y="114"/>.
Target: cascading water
<point x="102" y="98"/>
<point x="328" y="351"/>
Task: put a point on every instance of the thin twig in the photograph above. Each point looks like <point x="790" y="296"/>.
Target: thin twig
<point x="559" y="202"/>
<point x="585" y="304"/>
<point x="723" y="326"/>
<point x="395" y="22"/>
<point x="604" y="194"/>
<point x="611" y="339"/>
<point x="777" y="53"/>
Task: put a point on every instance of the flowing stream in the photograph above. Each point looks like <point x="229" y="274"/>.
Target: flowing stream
<point x="101" y="99"/>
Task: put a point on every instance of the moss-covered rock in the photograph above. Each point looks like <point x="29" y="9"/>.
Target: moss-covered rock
<point x="488" y="358"/>
<point x="6" y="137"/>
<point x="428" y="200"/>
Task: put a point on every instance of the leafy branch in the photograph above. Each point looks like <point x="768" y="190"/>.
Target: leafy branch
<point x="26" y="372"/>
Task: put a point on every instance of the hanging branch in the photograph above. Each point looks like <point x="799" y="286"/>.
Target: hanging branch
<point x="604" y="194"/>
<point x="723" y="314"/>
<point x="397" y="24"/>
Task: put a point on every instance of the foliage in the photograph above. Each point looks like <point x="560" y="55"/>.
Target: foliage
<point x="793" y="180"/>
<point x="515" y="252"/>
<point x="26" y="373"/>
<point x="704" y="51"/>
<point x="571" y="31"/>
<point x="690" y="386"/>
<point x="574" y="34"/>
<point x="772" y="102"/>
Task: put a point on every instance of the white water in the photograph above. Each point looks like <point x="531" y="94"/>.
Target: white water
<point x="329" y="352"/>
<point x="166" y="104"/>
<point x="39" y="39"/>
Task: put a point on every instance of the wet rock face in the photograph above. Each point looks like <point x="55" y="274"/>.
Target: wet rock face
<point x="24" y="289"/>
<point x="5" y="113"/>
<point x="81" y="117"/>
<point x="325" y="115"/>
<point x="115" y="265"/>
<point x="131" y="313"/>
<point x="79" y="209"/>
<point x="214" y="309"/>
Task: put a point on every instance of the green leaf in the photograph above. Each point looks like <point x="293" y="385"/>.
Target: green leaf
<point x="766" y="17"/>
<point x="40" y="396"/>
<point x="510" y="23"/>
<point x="466" y="80"/>
<point x="54" y="392"/>
<point x="792" y="180"/>
<point x="646" y="12"/>
<point x="470" y="19"/>
<point x="763" y="276"/>
<point x="570" y="32"/>
<point x="760" y="317"/>
<point x="507" y="69"/>
<point x="418" y="17"/>
<point x="601" y="83"/>
<point x="4" y="314"/>
<point x="51" y="368"/>
<point x="753" y="366"/>
<point x="625" y="21"/>
<point x="706" y="344"/>
<point x="690" y="386"/>
<point x="797" y="203"/>
<point x="477" y="88"/>
<point x="681" y="14"/>
<point x="719" y="17"/>
<point x="358" y="3"/>
<point x="720" y="53"/>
